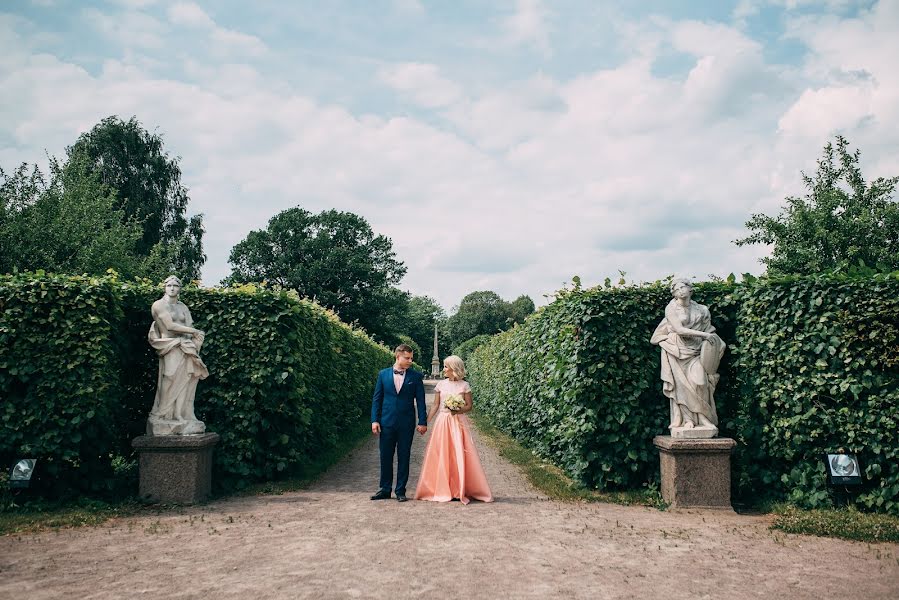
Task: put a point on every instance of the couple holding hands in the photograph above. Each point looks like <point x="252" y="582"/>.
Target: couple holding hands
<point x="451" y="469"/>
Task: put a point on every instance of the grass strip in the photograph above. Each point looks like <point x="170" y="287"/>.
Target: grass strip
<point x="550" y="479"/>
<point x="844" y="523"/>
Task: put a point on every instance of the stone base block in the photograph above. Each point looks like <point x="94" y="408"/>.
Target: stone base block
<point x="694" y="433"/>
<point x="695" y="472"/>
<point x="175" y="468"/>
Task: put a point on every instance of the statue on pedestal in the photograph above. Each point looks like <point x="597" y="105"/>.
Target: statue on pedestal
<point x="177" y="343"/>
<point x="691" y="352"/>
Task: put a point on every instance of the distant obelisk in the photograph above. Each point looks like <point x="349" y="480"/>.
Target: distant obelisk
<point x="435" y="362"/>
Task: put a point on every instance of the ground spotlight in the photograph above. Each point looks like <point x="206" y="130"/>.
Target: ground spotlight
<point x="843" y="469"/>
<point x="20" y="474"/>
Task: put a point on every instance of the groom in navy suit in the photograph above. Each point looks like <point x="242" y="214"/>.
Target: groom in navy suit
<point x="398" y="393"/>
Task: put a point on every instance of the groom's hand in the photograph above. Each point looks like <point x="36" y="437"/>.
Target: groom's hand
<point x="376" y="428"/>
<point x="422" y="429"/>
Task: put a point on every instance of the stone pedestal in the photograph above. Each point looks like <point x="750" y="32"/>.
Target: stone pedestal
<point x="175" y="468"/>
<point x="695" y="472"/>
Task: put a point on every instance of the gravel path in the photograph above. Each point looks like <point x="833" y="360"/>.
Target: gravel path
<point x="331" y="541"/>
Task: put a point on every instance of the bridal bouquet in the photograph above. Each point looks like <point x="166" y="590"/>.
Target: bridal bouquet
<point x="454" y="402"/>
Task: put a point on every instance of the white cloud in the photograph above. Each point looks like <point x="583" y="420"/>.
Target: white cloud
<point x="225" y="41"/>
<point x="852" y="86"/>
<point x="528" y="25"/>
<point x="237" y="43"/>
<point x="511" y="184"/>
<point x="129" y="29"/>
<point x="422" y="83"/>
<point x="190" y="14"/>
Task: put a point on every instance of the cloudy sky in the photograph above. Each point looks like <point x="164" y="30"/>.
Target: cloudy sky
<point x="505" y="145"/>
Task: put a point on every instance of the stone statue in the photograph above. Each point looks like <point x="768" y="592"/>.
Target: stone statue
<point x="691" y="352"/>
<point x="180" y="368"/>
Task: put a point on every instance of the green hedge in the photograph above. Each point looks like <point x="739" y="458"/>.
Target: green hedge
<point x="60" y="393"/>
<point x="819" y="370"/>
<point x="579" y="383"/>
<point x="287" y="379"/>
<point x="467" y="348"/>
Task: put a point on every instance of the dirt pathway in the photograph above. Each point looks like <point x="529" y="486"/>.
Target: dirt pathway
<point x="330" y="541"/>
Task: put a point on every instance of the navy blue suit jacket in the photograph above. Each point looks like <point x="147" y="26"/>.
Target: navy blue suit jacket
<point x="390" y="408"/>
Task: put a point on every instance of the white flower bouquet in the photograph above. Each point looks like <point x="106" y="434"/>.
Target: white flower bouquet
<point x="454" y="402"/>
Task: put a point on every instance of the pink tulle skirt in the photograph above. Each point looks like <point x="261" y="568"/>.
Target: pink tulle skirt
<point x="451" y="467"/>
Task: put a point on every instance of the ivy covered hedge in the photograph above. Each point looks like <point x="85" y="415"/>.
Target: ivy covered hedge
<point x="60" y="393"/>
<point x="287" y="379"/>
<point x="819" y="371"/>
<point x="811" y="366"/>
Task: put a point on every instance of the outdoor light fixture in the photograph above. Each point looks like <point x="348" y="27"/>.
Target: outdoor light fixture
<point x="20" y="474"/>
<point x="843" y="469"/>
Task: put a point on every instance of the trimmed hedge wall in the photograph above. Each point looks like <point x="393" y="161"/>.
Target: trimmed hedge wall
<point x="819" y="370"/>
<point x="60" y="398"/>
<point x="287" y="379"/>
<point x="811" y="366"/>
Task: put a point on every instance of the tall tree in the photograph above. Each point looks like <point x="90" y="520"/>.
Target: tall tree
<point x="423" y="314"/>
<point x="520" y="308"/>
<point x="482" y="312"/>
<point x="841" y="221"/>
<point x="68" y="223"/>
<point x="333" y="257"/>
<point x="132" y="162"/>
<point x="485" y="313"/>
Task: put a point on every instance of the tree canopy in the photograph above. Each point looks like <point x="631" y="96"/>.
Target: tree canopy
<point x="423" y="314"/>
<point x="484" y="312"/>
<point x="131" y="161"/>
<point x="333" y="257"/>
<point x="842" y="220"/>
<point x="68" y="222"/>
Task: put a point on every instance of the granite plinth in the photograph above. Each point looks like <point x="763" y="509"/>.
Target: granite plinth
<point x="695" y="472"/>
<point x="175" y="469"/>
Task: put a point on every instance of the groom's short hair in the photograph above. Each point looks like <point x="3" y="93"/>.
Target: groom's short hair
<point x="404" y="348"/>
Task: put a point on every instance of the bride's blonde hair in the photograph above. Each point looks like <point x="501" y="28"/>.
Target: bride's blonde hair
<point x="455" y="363"/>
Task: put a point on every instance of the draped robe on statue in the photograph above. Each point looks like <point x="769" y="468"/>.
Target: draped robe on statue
<point x="180" y="368"/>
<point x="689" y="364"/>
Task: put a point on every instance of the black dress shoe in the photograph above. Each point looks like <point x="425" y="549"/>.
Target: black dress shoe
<point x="381" y="495"/>
<point x="401" y="498"/>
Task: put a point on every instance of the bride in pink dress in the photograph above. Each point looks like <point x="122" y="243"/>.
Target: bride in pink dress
<point x="451" y="469"/>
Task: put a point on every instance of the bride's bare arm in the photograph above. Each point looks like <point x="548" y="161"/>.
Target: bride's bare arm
<point x="435" y="407"/>
<point x="468" y="404"/>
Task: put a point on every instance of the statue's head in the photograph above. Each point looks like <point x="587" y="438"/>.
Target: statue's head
<point x="681" y="285"/>
<point x="172" y="286"/>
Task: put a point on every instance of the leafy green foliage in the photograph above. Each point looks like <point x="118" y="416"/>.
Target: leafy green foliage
<point x="332" y="257"/>
<point x="59" y="379"/>
<point x="842" y="221"/>
<point x="811" y="366"/>
<point x="416" y="349"/>
<point x="485" y="313"/>
<point x="67" y="224"/>
<point x="467" y="348"/>
<point x="818" y="371"/>
<point x="288" y="381"/>
<point x="520" y="309"/>
<point x="131" y="161"/>
<point x="422" y="315"/>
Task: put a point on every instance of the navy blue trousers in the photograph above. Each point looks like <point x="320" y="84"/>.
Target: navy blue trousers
<point x="395" y="440"/>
